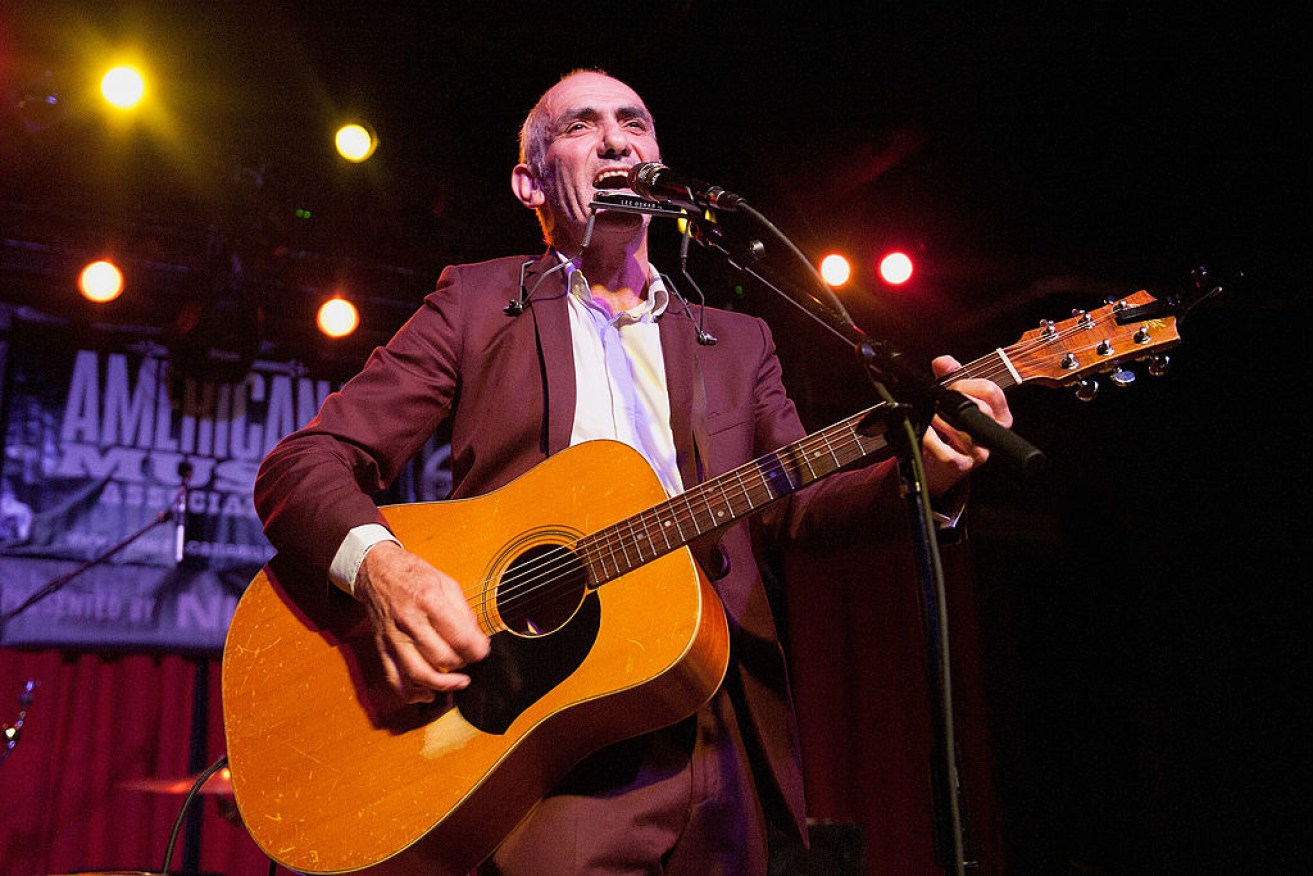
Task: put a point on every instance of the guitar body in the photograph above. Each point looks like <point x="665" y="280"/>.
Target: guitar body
<point x="332" y="772"/>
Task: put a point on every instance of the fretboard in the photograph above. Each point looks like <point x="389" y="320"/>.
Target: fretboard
<point x="634" y="541"/>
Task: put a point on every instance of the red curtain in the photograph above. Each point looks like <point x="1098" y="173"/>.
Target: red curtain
<point x="861" y="683"/>
<point x="96" y="723"/>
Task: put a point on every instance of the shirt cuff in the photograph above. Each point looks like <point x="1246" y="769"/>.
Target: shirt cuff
<point x="351" y="553"/>
<point x="949" y="513"/>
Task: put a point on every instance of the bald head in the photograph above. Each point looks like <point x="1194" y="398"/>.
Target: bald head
<point x="538" y="129"/>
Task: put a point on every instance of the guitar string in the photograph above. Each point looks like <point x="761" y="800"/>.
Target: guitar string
<point x="560" y="566"/>
<point x="993" y="368"/>
<point x="604" y="545"/>
<point x="684" y="508"/>
<point x="683" y="511"/>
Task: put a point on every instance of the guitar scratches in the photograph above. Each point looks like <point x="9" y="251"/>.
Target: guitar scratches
<point x="309" y="756"/>
<point x="255" y="654"/>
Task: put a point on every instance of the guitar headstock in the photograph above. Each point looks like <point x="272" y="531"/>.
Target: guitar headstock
<point x="1096" y="342"/>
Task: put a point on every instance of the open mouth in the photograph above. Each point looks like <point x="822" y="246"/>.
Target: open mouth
<point x="614" y="178"/>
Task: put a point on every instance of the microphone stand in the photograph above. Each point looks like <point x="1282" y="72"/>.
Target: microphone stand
<point x="911" y="400"/>
<point x="176" y="507"/>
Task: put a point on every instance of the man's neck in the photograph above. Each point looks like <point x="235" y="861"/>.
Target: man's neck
<point x="617" y="272"/>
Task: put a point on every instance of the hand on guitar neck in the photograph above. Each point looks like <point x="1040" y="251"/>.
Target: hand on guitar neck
<point x="950" y="454"/>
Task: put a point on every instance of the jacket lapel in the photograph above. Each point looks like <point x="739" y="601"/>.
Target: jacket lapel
<point x="551" y="321"/>
<point x="679" y="351"/>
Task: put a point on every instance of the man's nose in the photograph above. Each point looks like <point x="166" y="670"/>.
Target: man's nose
<point x="615" y="141"/>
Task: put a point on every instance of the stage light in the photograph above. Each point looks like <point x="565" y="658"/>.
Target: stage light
<point x="123" y="87"/>
<point x="835" y="269"/>
<point x="338" y="317"/>
<point x="100" y="282"/>
<point x="896" y="268"/>
<point x="355" y="142"/>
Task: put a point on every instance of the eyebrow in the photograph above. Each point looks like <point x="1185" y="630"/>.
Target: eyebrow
<point x="589" y="114"/>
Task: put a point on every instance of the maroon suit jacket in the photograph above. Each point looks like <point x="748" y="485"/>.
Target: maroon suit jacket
<point x="506" y="386"/>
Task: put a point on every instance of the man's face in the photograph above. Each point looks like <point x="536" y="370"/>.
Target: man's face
<point x="596" y="126"/>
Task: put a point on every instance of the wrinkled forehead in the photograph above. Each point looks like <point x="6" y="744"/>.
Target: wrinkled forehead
<point x="591" y="93"/>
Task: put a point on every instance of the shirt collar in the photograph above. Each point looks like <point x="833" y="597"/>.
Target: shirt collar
<point x="652" y="306"/>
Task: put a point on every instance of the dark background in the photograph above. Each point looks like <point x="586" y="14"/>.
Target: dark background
<point x="1144" y="617"/>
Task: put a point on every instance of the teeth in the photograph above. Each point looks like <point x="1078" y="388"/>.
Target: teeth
<point x="611" y="179"/>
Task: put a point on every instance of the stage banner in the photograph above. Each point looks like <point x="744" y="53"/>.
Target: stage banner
<point x="103" y="446"/>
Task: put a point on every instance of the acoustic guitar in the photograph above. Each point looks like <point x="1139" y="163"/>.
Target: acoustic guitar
<point x="603" y="627"/>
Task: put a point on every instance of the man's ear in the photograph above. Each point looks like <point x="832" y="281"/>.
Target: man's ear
<point x="524" y="183"/>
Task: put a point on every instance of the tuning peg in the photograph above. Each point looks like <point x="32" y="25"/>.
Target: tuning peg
<point x="1122" y="378"/>
<point x="1086" y="390"/>
<point x="1159" y="365"/>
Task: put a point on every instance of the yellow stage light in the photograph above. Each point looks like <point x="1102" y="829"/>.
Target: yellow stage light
<point x="355" y="142"/>
<point x="123" y="87"/>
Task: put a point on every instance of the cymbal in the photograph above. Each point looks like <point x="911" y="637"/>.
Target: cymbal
<point x="219" y="783"/>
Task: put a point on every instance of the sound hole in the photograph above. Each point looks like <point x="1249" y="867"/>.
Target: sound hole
<point x="541" y="590"/>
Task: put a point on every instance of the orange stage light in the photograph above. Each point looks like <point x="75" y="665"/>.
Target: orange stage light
<point x="100" y="281"/>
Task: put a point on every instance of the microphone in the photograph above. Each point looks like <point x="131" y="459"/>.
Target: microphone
<point x="656" y="182"/>
<point x="180" y="512"/>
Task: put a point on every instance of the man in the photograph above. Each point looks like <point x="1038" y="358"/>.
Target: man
<point x="594" y="346"/>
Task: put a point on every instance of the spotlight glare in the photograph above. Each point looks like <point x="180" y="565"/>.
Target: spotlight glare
<point x="896" y="268"/>
<point x="338" y="317"/>
<point x="100" y="282"/>
<point x="123" y="87"/>
<point x="355" y="142"/>
<point x="835" y="269"/>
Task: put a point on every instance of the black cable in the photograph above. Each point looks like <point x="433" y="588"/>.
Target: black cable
<point x="186" y="803"/>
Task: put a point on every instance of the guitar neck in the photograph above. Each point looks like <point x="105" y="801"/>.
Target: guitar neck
<point x="634" y="541"/>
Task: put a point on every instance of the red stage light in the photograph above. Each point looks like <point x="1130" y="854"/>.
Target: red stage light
<point x="896" y="268"/>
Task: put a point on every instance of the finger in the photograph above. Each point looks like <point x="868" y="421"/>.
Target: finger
<point x="406" y="690"/>
<point x="987" y="396"/>
<point x="944" y="365"/>
<point x="421" y="678"/>
<point x="444" y="631"/>
<point x="959" y="442"/>
<point x="954" y="448"/>
<point x="462" y="637"/>
<point x="422" y="652"/>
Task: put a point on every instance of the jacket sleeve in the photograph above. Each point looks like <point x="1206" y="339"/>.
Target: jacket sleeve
<point x="318" y="482"/>
<point x="845" y="505"/>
